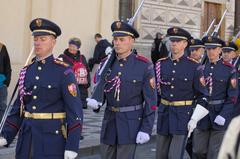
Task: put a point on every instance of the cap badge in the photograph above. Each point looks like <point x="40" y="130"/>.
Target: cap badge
<point x="210" y="39"/>
<point x="175" y="30"/>
<point x="227" y="43"/>
<point x="118" y="25"/>
<point x="39" y="22"/>
<point x="193" y="41"/>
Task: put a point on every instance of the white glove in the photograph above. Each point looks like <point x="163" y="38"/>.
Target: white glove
<point x="142" y="137"/>
<point x="92" y="103"/>
<point x="70" y="154"/>
<point x="3" y="141"/>
<point x="220" y="120"/>
<point x="199" y="113"/>
<point x="192" y="124"/>
<point x="108" y="50"/>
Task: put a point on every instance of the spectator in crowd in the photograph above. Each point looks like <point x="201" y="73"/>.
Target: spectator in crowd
<point x="5" y="77"/>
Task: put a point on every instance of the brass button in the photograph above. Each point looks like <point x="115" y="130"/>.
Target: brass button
<point x="173" y="71"/>
<point x="171" y="95"/>
<point x="121" y="65"/>
<point x="49" y="86"/>
<point x="172" y="87"/>
<point x="78" y="119"/>
<point x="119" y="73"/>
<point x="37" y="77"/>
<point x="210" y="74"/>
<point x="174" y="64"/>
<point x="39" y="68"/>
<point x="172" y="79"/>
<point x="34" y="107"/>
<point x="34" y="87"/>
<point x="43" y="61"/>
<point x="211" y="67"/>
<point x="185" y="79"/>
<point x="34" y="97"/>
<point x="57" y="132"/>
<point x="134" y="81"/>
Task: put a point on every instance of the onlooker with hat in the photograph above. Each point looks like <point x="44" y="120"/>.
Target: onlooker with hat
<point x="221" y="83"/>
<point x="48" y="100"/>
<point x="5" y="77"/>
<point x="196" y="48"/>
<point x="179" y="84"/>
<point x="159" y="49"/>
<point x="130" y="97"/>
<point x="77" y="60"/>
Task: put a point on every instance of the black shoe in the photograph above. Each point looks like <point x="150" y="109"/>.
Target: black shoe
<point x="84" y="107"/>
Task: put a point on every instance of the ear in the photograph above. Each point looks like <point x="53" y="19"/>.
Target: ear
<point x="220" y="50"/>
<point x="131" y="39"/>
<point x="185" y="43"/>
<point x="54" y="40"/>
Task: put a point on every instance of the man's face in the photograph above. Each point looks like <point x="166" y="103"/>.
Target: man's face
<point x="178" y="46"/>
<point x="72" y="48"/>
<point x="123" y="44"/>
<point x="197" y="53"/>
<point x="43" y="45"/>
<point x="97" y="39"/>
<point x="229" y="55"/>
<point x="213" y="54"/>
<point x="226" y="57"/>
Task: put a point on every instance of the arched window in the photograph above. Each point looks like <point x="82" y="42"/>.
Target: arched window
<point x="126" y="9"/>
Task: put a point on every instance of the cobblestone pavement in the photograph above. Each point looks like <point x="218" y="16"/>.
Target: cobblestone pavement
<point x="91" y="132"/>
<point x="145" y="151"/>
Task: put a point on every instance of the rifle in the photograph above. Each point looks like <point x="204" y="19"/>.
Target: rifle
<point x="204" y="58"/>
<point x="131" y="20"/>
<point x="209" y="28"/>
<point x="98" y="92"/>
<point x="236" y="36"/>
<point x="215" y="32"/>
<point x="9" y="106"/>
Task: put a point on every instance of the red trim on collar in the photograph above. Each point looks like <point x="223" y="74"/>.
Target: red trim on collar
<point x="142" y="58"/>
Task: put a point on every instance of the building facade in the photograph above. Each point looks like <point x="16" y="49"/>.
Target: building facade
<point x="85" y="18"/>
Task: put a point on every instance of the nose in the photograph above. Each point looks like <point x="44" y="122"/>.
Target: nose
<point x="36" y="42"/>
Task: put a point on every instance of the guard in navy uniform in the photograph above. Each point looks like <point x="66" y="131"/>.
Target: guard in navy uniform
<point x="179" y="84"/>
<point x="130" y="98"/>
<point x="221" y="82"/>
<point x="230" y="53"/>
<point x="196" y="49"/>
<point x="47" y="114"/>
<point x="230" y="50"/>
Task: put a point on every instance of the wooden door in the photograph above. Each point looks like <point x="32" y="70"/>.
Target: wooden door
<point x="211" y="11"/>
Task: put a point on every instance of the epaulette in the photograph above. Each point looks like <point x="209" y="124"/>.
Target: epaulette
<point x="142" y="58"/>
<point x="29" y="64"/>
<point x="192" y="59"/>
<point x="162" y="59"/>
<point x="59" y="62"/>
<point x="227" y="64"/>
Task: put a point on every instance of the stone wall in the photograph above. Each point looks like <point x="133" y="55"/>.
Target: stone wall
<point x="159" y="15"/>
